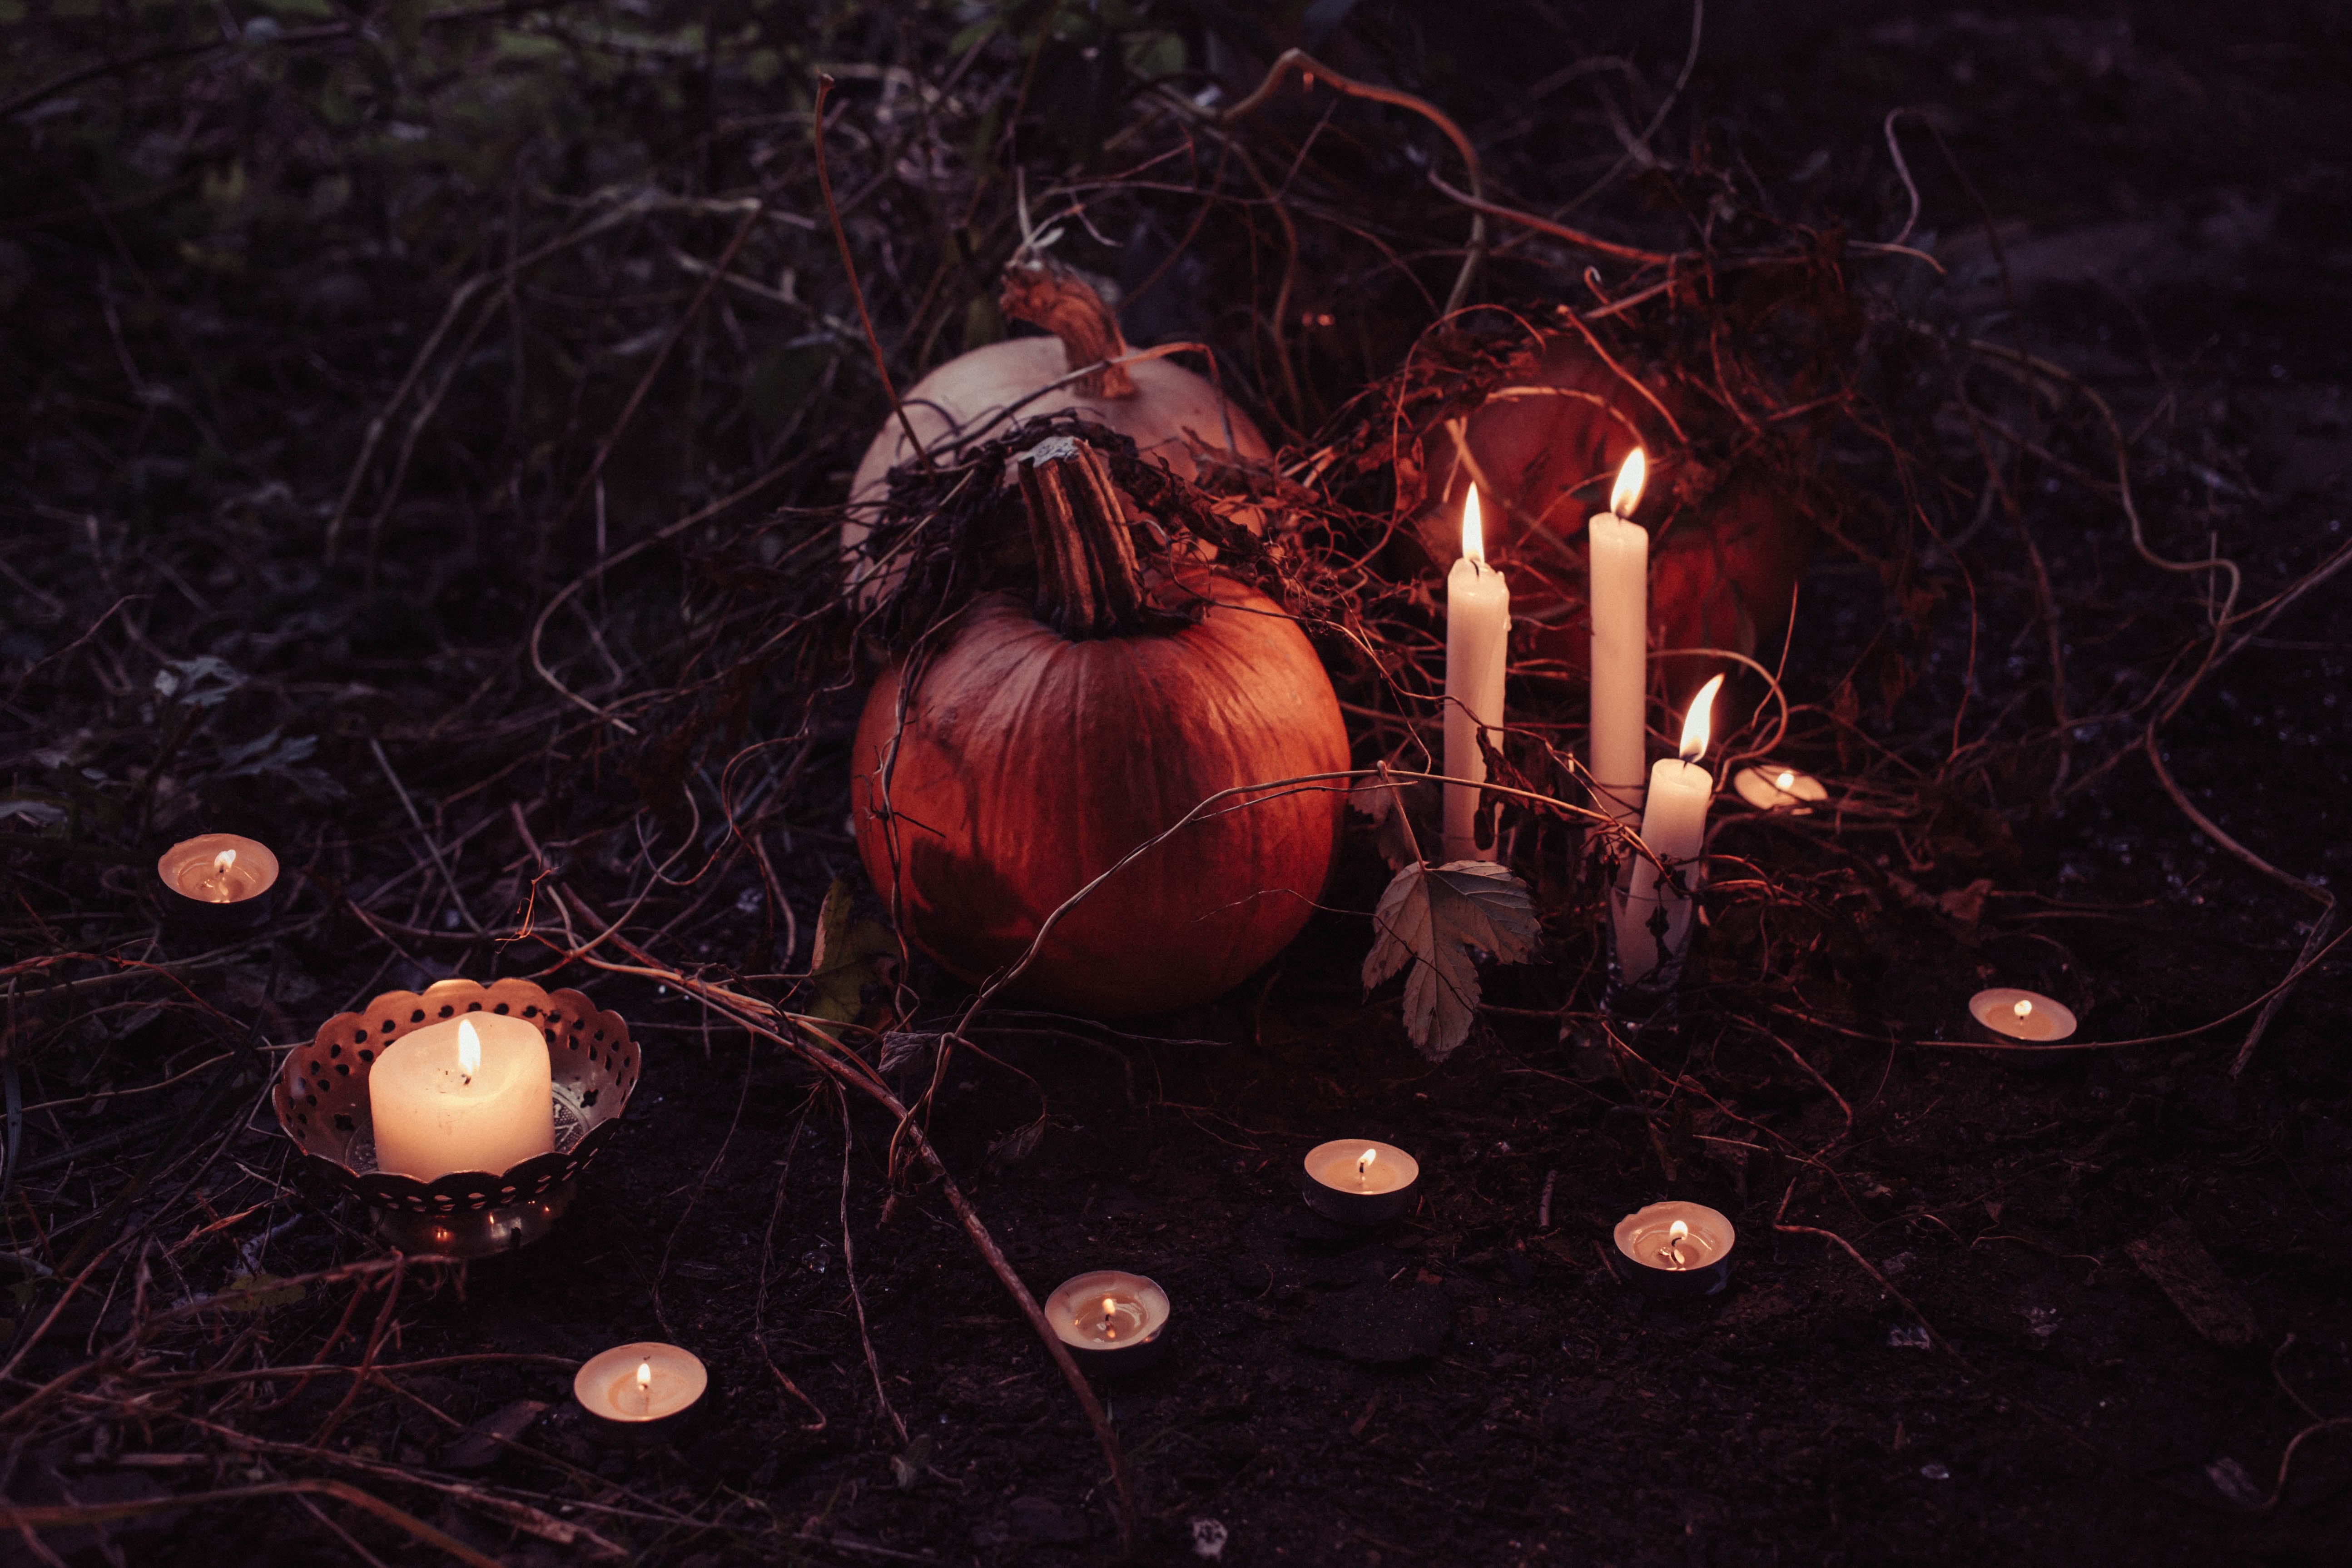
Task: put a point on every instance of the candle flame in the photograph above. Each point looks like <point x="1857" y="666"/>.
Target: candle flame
<point x="1694" y="726"/>
<point x="1627" y="495"/>
<point x="1364" y="1161"/>
<point x="469" y="1055"/>
<point x="2024" y="1009"/>
<point x="1473" y="531"/>
<point x="1676" y="1232"/>
<point x="223" y="861"/>
<point x="645" y="1375"/>
<point x="1784" y="781"/>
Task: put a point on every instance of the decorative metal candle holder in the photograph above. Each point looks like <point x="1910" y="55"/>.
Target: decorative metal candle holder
<point x="322" y="1103"/>
<point x="255" y="868"/>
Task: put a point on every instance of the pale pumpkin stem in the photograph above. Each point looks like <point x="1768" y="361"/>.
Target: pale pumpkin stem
<point x="1058" y="300"/>
<point x="1089" y="583"/>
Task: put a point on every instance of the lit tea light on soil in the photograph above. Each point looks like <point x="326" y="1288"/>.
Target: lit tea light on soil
<point x="218" y="878"/>
<point x="1357" y="1181"/>
<point x="1112" y="1321"/>
<point x="1676" y="1249"/>
<point x="2028" y="1018"/>
<point x="640" y="1386"/>
<point x="472" y="1094"/>
<point x="1770" y="788"/>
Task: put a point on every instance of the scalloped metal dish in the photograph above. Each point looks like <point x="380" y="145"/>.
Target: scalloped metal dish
<point x="322" y="1103"/>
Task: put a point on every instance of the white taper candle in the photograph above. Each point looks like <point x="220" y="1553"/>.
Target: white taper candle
<point x="1673" y="824"/>
<point x="1619" y="554"/>
<point x="1477" y="636"/>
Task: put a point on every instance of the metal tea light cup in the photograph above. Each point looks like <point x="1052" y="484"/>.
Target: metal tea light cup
<point x="1676" y="1249"/>
<point x="1360" y="1181"/>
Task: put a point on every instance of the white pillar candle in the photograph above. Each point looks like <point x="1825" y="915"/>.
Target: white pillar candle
<point x="1673" y="825"/>
<point x="1619" y="554"/>
<point x="473" y="1094"/>
<point x="1478" y="633"/>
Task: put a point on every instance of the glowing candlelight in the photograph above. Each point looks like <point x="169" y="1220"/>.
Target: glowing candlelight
<point x="1358" y="1183"/>
<point x="474" y="1094"/>
<point x="1619" y="592"/>
<point x="1109" y="1318"/>
<point x="2006" y="1014"/>
<point x="1477" y="634"/>
<point x="634" y="1384"/>
<point x="218" y="869"/>
<point x="1673" y="827"/>
<point x="1676" y="1249"/>
<point x="1770" y="788"/>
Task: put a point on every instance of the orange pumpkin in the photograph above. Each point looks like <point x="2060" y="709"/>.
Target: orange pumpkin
<point x="1024" y="759"/>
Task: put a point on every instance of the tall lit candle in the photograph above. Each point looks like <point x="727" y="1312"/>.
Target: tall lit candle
<point x="474" y="1094"/>
<point x="1477" y="632"/>
<point x="1673" y="825"/>
<point x="1619" y="552"/>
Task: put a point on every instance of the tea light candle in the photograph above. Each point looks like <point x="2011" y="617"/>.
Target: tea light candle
<point x="1677" y="1248"/>
<point x="472" y="1094"/>
<point x="640" y="1386"/>
<point x="1477" y="638"/>
<point x="1617" y="555"/>
<point x="1673" y="824"/>
<point x="1773" y="788"/>
<point x="1355" y="1181"/>
<point x="218" y="878"/>
<point x="1111" y="1320"/>
<point x="2027" y="1016"/>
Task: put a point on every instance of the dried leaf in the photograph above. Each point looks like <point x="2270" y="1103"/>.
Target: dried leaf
<point x="1016" y="1146"/>
<point x="843" y="958"/>
<point x="1432" y="919"/>
<point x="906" y="1469"/>
<point x="902" y="1048"/>
<point x="484" y="1443"/>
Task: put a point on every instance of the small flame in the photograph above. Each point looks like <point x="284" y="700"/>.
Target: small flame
<point x="645" y="1375"/>
<point x="1784" y="781"/>
<point x="1364" y="1161"/>
<point x="2024" y="1009"/>
<point x="223" y="861"/>
<point x="1676" y="1232"/>
<point x="469" y="1058"/>
<point x="1627" y="495"/>
<point x="1473" y="531"/>
<point x="1694" y="726"/>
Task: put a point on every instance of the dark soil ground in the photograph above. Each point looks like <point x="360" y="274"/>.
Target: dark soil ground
<point x="2157" y="199"/>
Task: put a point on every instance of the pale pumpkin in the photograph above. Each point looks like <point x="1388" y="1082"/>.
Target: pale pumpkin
<point x="1169" y="412"/>
<point x="1019" y="761"/>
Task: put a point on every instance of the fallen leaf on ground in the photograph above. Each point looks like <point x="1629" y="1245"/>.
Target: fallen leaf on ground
<point x="1432" y="919"/>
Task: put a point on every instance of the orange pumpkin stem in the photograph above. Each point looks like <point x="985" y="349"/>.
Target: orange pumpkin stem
<point x="1058" y="300"/>
<point x="1088" y="584"/>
